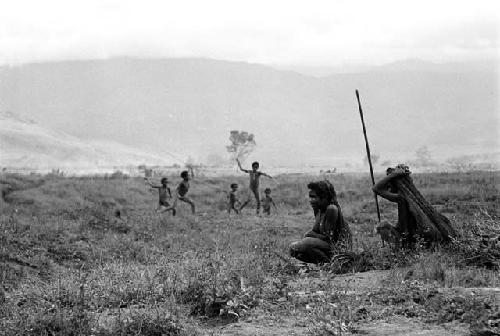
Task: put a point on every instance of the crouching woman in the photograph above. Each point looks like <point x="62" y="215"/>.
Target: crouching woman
<point x="330" y="233"/>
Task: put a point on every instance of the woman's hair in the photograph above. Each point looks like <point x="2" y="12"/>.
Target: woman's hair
<point x="164" y="180"/>
<point x="400" y="166"/>
<point x="184" y="174"/>
<point x="324" y="189"/>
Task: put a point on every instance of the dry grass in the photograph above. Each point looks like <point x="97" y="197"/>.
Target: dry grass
<point x="69" y="267"/>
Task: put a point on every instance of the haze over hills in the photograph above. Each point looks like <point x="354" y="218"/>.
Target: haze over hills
<point x="24" y="143"/>
<point x="188" y="106"/>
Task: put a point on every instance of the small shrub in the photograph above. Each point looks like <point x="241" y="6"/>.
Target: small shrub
<point x="478" y="243"/>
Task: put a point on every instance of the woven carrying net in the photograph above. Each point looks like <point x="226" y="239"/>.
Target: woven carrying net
<point x="431" y="224"/>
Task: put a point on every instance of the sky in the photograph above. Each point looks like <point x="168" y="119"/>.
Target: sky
<point x="283" y="33"/>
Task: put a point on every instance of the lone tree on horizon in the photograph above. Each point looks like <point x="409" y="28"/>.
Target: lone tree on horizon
<point x="242" y="144"/>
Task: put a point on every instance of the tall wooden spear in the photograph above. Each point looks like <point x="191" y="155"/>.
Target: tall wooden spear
<point x="368" y="152"/>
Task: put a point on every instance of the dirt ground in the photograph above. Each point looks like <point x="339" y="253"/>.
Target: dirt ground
<point x="354" y="284"/>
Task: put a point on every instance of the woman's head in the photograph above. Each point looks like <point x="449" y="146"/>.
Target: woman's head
<point x="321" y="194"/>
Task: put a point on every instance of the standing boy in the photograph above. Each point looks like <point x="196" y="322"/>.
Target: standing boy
<point x="233" y="198"/>
<point x="181" y="191"/>
<point x="163" y="190"/>
<point x="267" y="201"/>
<point x="254" y="183"/>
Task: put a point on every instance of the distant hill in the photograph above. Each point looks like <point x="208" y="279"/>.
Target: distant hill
<point x="24" y="143"/>
<point x="189" y="106"/>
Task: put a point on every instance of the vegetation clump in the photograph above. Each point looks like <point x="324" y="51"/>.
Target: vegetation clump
<point x="70" y="266"/>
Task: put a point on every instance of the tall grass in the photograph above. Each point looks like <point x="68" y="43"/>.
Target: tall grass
<point x="69" y="266"/>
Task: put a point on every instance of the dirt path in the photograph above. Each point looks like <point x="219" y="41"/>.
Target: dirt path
<point x="405" y="326"/>
<point x="277" y="320"/>
<point x="284" y="327"/>
<point x="396" y="326"/>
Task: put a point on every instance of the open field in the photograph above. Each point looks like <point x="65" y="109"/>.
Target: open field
<point x="69" y="267"/>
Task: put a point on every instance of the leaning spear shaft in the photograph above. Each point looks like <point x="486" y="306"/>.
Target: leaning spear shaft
<point x="368" y="152"/>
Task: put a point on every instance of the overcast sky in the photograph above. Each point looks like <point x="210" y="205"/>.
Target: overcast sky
<point x="306" y="33"/>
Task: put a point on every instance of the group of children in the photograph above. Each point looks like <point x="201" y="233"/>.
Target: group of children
<point x="417" y="218"/>
<point x="180" y="195"/>
<point x="233" y="202"/>
<point x="253" y="190"/>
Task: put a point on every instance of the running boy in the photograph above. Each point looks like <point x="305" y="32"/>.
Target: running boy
<point x="163" y="189"/>
<point x="254" y="183"/>
<point x="267" y="201"/>
<point x="181" y="191"/>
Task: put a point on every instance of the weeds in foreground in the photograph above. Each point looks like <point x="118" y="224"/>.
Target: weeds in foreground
<point x="68" y="267"/>
<point x="478" y="243"/>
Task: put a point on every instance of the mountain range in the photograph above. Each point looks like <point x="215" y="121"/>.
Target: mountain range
<point x="169" y="110"/>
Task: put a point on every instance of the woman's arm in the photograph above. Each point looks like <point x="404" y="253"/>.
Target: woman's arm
<point x="314" y="234"/>
<point x="382" y="186"/>
<point x="330" y="222"/>
<point x="331" y="219"/>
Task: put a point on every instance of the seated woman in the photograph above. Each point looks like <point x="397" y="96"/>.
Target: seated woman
<point x="417" y="218"/>
<point x="330" y="233"/>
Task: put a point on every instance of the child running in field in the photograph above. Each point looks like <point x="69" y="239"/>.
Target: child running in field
<point x="163" y="190"/>
<point x="181" y="191"/>
<point x="233" y="198"/>
<point x="255" y="175"/>
<point x="267" y="201"/>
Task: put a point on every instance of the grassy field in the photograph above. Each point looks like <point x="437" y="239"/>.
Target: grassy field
<point x="69" y="267"/>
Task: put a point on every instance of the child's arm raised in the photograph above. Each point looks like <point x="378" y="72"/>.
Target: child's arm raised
<point x="239" y="165"/>
<point x="266" y="175"/>
<point x="151" y="184"/>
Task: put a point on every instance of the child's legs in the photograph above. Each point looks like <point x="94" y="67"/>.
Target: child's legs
<point x="249" y="197"/>
<point x="172" y="207"/>
<point x="163" y="206"/>
<point x="244" y="204"/>
<point x="233" y="206"/>
<point x="188" y="201"/>
<point x="255" y="193"/>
